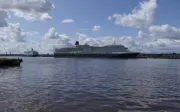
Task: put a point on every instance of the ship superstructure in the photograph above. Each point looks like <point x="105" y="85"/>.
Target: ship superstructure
<point x="31" y="53"/>
<point x="92" y="51"/>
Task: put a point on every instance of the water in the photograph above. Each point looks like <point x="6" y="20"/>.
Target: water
<point x="91" y="85"/>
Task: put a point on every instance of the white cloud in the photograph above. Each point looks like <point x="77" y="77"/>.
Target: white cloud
<point x="51" y="34"/>
<point x="140" y="45"/>
<point x="81" y="34"/>
<point x="67" y="21"/>
<point x="53" y="6"/>
<point x="109" y="18"/>
<point x="43" y="47"/>
<point x="160" y="45"/>
<point x="161" y="32"/>
<point x="12" y="37"/>
<point x="107" y="40"/>
<point x="165" y="31"/>
<point x="14" y="33"/>
<point x="63" y="36"/>
<point x="162" y="38"/>
<point x="64" y="42"/>
<point x="62" y="39"/>
<point x="96" y="28"/>
<point x="139" y="17"/>
<point x="142" y="35"/>
<point x="28" y="9"/>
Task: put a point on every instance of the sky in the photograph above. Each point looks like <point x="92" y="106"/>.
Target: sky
<point x="150" y="26"/>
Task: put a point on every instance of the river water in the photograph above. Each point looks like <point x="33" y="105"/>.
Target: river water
<point x="91" y="85"/>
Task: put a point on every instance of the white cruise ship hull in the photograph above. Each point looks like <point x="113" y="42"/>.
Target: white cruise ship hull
<point x="97" y="55"/>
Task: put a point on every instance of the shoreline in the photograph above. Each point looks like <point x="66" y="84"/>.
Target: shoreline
<point x="6" y="62"/>
<point x="141" y="55"/>
<point x="160" y="55"/>
<point x="22" y="55"/>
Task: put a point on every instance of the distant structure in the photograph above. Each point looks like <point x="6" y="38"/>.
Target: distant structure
<point x="31" y="53"/>
<point x="111" y="51"/>
<point x="76" y="43"/>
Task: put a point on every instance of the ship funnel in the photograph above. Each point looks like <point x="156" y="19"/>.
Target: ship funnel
<point x="77" y="43"/>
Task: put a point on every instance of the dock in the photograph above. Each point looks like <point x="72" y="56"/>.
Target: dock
<point x="10" y="62"/>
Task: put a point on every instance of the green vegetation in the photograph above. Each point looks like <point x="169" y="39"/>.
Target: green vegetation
<point x="163" y="56"/>
<point x="10" y="62"/>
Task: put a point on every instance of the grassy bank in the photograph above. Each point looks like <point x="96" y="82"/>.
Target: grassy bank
<point x="10" y="62"/>
<point x="163" y="56"/>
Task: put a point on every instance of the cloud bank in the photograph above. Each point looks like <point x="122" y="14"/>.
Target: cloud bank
<point x="139" y="18"/>
<point x="28" y="9"/>
<point x="155" y="40"/>
<point x="14" y="33"/>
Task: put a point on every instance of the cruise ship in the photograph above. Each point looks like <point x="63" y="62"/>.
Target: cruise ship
<point x="109" y="51"/>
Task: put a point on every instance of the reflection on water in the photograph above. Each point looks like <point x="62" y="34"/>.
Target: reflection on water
<point x="90" y="85"/>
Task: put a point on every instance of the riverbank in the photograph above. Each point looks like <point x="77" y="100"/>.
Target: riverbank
<point x="22" y="55"/>
<point x="10" y="62"/>
<point x="160" y="56"/>
<point x="141" y="55"/>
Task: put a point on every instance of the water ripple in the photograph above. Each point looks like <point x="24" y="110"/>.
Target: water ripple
<point x="91" y="85"/>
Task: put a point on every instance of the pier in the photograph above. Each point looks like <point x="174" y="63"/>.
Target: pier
<point x="10" y="62"/>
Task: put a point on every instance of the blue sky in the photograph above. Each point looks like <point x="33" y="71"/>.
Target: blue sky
<point x="88" y="13"/>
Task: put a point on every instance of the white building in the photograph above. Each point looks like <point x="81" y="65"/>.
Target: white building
<point x="31" y="53"/>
